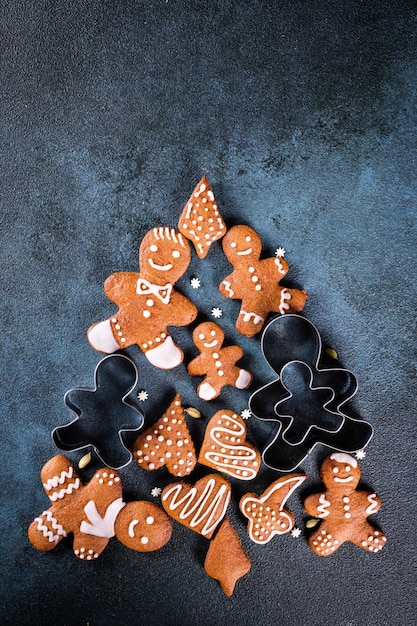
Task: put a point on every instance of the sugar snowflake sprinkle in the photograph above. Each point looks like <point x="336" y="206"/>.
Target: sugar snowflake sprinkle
<point x="296" y="532"/>
<point x="279" y="252"/>
<point x="143" y="395"/>
<point x="195" y="283"/>
<point x="156" y="492"/>
<point x="360" y="454"/>
<point x="246" y="414"/>
<point x="216" y="312"/>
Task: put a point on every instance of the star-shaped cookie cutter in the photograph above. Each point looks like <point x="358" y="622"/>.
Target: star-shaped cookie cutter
<point x="305" y="400"/>
<point x="108" y="417"/>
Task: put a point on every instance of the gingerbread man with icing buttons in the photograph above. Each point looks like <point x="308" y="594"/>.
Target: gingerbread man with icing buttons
<point x="343" y="509"/>
<point x="217" y="364"/>
<point x="256" y="282"/>
<point x="147" y="301"/>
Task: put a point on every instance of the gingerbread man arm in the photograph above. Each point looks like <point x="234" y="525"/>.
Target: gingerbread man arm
<point x="198" y="366"/>
<point x="182" y="311"/>
<point x="121" y="287"/>
<point x="231" y="354"/>
<point x="317" y="505"/>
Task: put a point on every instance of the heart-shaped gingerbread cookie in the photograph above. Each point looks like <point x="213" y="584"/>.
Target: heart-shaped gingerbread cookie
<point x="225" y="447"/>
<point x="168" y="442"/>
<point x="200" y="507"/>
<point x="266" y="513"/>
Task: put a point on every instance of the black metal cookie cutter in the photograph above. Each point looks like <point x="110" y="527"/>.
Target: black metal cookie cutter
<point x="305" y="400"/>
<point x="107" y="416"/>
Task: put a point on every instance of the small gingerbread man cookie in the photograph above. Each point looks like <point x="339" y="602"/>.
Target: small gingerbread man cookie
<point x="256" y="282"/>
<point x="343" y="509"/>
<point x="147" y="301"/>
<point x="217" y="364"/>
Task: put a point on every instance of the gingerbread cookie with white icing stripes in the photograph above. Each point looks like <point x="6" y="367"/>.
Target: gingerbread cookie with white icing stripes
<point x="343" y="509"/>
<point x="200" y="507"/>
<point x="167" y="443"/>
<point x="200" y="220"/>
<point x="226" y="449"/>
<point x="256" y="282"/>
<point x="148" y="302"/>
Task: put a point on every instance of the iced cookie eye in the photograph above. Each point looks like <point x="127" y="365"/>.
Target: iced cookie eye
<point x="347" y="468"/>
<point x="153" y="248"/>
<point x="201" y="336"/>
<point x="335" y="470"/>
<point x="248" y="238"/>
<point x="176" y="254"/>
<point x="233" y="244"/>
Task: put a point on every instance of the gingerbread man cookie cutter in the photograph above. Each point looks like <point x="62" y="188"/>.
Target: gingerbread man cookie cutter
<point x="108" y="419"/>
<point x="305" y="399"/>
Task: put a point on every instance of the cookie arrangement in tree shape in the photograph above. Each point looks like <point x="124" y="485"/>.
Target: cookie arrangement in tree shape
<point x="148" y="303"/>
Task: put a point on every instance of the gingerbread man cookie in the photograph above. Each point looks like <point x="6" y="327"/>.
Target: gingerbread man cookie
<point x="256" y="282"/>
<point x="343" y="509"/>
<point x="94" y="513"/>
<point x="217" y="364"/>
<point x="148" y="302"/>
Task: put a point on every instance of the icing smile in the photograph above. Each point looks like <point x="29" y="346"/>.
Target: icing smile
<point x="162" y="268"/>
<point x="245" y="252"/>
<point x="343" y="480"/>
<point x="212" y="344"/>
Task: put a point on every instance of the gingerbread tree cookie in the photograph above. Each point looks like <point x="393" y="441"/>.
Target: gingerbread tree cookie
<point x="200" y="220"/>
<point x="256" y="282"/>
<point x="343" y="509"/>
<point x="217" y="364"/>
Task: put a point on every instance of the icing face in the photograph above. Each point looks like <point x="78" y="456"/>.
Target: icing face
<point x="240" y="244"/>
<point x="341" y="471"/>
<point x="208" y="337"/>
<point x="164" y="255"/>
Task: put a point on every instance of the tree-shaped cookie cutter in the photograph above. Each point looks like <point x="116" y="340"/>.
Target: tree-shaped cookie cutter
<point x="108" y="418"/>
<point x="305" y="400"/>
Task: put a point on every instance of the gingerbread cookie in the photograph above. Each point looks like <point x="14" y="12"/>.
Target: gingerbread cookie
<point x="148" y="302"/>
<point x="200" y="507"/>
<point x="256" y="282"/>
<point x="343" y="509"/>
<point x="143" y="526"/>
<point x="225" y="447"/>
<point x="226" y="560"/>
<point x="217" y="364"/>
<point x="266" y="513"/>
<point x="200" y="220"/>
<point x="167" y="443"/>
<point x="90" y="512"/>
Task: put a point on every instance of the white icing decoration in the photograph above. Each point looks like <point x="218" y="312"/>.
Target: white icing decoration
<point x="53" y="482"/>
<point x="46" y="532"/>
<point x="324" y="505"/>
<point x="232" y="452"/>
<point x="257" y="319"/>
<point x="206" y="391"/>
<point x="101" y="526"/>
<point x="228" y="288"/>
<point x="211" y="344"/>
<point x="163" y="292"/>
<point x="348" y="479"/>
<point x="243" y="379"/>
<point x="284" y="306"/>
<point x="131" y="529"/>
<point x="102" y="339"/>
<point x="373" y="506"/>
<point x="165" y="356"/>
<point x="244" y="252"/>
<point x="200" y="509"/>
<point x="342" y="457"/>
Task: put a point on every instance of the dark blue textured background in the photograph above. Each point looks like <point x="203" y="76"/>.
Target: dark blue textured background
<point x="303" y="117"/>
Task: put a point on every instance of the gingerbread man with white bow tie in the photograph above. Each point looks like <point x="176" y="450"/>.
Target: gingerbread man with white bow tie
<point x="148" y="302"/>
